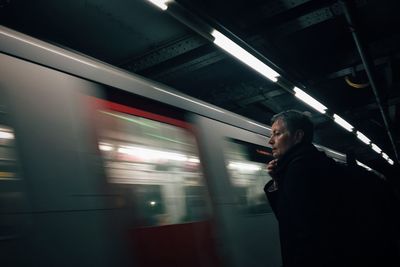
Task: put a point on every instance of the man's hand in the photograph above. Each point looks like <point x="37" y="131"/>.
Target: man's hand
<point x="271" y="167"/>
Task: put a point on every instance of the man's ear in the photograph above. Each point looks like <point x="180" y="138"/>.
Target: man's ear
<point x="298" y="136"/>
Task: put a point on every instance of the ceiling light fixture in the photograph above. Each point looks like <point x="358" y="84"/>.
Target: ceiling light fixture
<point x="244" y="56"/>
<point x="363" y="165"/>
<point x="363" y="138"/>
<point x="385" y="156"/>
<point x="303" y="96"/>
<point x="343" y="123"/>
<point x="160" y="3"/>
<point x="376" y="148"/>
<point x="390" y="161"/>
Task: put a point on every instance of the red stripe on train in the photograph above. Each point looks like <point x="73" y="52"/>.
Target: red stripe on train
<point x="138" y="112"/>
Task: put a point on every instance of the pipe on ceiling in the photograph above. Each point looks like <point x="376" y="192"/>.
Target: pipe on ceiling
<point x="367" y="62"/>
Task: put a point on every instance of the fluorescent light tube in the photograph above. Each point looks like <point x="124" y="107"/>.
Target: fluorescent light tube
<point x="343" y="123"/>
<point x="309" y="100"/>
<point x="160" y="4"/>
<point x="376" y="148"/>
<point x="385" y="156"/>
<point x="244" y="56"/>
<point x="363" y="165"/>
<point x="390" y="161"/>
<point x="363" y="138"/>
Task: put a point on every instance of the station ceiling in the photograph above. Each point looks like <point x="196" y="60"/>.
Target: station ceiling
<point x="310" y="43"/>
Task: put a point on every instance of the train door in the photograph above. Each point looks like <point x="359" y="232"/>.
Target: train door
<point x="151" y="161"/>
<point x="236" y="161"/>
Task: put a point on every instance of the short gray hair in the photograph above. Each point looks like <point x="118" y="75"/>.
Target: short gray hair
<point x="296" y="120"/>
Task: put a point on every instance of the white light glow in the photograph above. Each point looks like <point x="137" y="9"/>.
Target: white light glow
<point x="390" y="161"/>
<point x="309" y="100"/>
<point x="343" y="123"/>
<point x="160" y="3"/>
<point x="376" y="148"/>
<point x="363" y="165"/>
<point x="151" y="154"/>
<point x="6" y="135"/>
<point x="153" y="203"/>
<point x="105" y="147"/>
<point x="385" y="156"/>
<point x="363" y="138"/>
<point x="193" y="160"/>
<point x="244" y="56"/>
<point x="243" y="166"/>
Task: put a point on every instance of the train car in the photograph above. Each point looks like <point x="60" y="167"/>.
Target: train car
<point x="102" y="167"/>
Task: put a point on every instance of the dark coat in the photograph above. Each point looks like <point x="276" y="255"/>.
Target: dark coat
<point x="315" y="213"/>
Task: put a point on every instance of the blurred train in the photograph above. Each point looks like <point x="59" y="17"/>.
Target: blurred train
<point x="101" y="167"/>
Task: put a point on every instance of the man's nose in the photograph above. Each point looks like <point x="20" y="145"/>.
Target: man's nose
<point x="271" y="141"/>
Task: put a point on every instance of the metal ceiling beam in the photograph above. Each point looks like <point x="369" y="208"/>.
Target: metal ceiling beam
<point x="250" y="100"/>
<point x="180" y="67"/>
<point x="387" y="46"/>
<point x="191" y="21"/>
<point x="252" y="14"/>
<point x="300" y="17"/>
<point x="185" y="45"/>
<point x="163" y="53"/>
<point x="193" y="62"/>
<point x="368" y="64"/>
<point x="353" y="69"/>
<point x="245" y="91"/>
<point x="301" y="13"/>
<point x="297" y="18"/>
<point x="373" y="106"/>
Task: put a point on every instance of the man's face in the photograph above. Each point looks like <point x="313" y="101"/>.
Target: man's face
<point x="281" y="139"/>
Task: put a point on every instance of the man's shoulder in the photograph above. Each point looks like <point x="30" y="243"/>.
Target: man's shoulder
<point x="313" y="157"/>
<point x="306" y="158"/>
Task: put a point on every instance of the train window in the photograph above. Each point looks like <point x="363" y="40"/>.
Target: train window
<point x="246" y="164"/>
<point x="7" y="153"/>
<point x="157" y="163"/>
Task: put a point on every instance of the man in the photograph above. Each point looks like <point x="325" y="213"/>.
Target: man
<point x="311" y="199"/>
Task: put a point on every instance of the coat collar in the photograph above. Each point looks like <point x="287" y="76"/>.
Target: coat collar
<point x="297" y="151"/>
